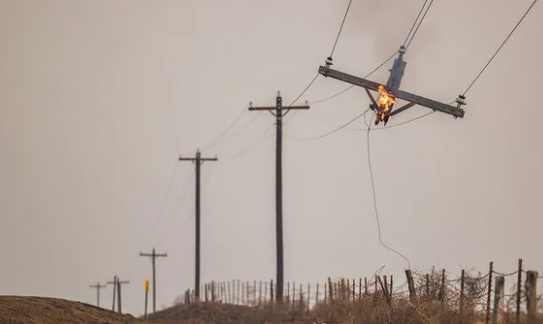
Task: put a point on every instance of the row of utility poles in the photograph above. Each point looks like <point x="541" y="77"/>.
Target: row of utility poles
<point x="279" y="112"/>
<point x="117" y="285"/>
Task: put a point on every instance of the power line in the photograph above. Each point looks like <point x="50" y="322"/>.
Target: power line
<point x="253" y="144"/>
<point x="505" y="41"/>
<point x="226" y="131"/>
<point x="341" y="28"/>
<point x="420" y="23"/>
<point x="375" y="202"/>
<point x="414" y="23"/>
<point x="337" y="129"/>
<point x="351" y="86"/>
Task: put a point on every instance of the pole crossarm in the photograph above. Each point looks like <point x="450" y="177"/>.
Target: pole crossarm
<point x="400" y="94"/>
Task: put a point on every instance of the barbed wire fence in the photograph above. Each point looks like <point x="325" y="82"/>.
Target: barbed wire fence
<point x="429" y="296"/>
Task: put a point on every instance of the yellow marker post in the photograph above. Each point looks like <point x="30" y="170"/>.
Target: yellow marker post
<point x="146" y="294"/>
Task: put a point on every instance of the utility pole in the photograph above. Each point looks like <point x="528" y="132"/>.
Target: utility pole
<point x="279" y="112"/>
<point x="114" y="283"/>
<point x="98" y="286"/>
<point x="153" y="258"/>
<point x="198" y="161"/>
<point x="119" y="283"/>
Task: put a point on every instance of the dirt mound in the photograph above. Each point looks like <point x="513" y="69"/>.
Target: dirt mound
<point x="215" y="313"/>
<point x="38" y="310"/>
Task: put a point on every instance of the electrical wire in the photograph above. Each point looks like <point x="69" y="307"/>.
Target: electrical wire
<point x="351" y="86"/>
<point x="341" y="28"/>
<point x="161" y="207"/>
<point x="496" y="53"/>
<point x="420" y="23"/>
<point x="415" y="22"/>
<point x="335" y="130"/>
<point x="226" y="131"/>
<point x="375" y="202"/>
<point x="251" y="146"/>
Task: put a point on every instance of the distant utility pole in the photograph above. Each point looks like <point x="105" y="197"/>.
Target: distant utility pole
<point x="153" y="258"/>
<point x="279" y="112"/>
<point x="98" y="286"/>
<point x="119" y="283"/>
<point x="198" y="161"/>
<point x="114" y="283"/>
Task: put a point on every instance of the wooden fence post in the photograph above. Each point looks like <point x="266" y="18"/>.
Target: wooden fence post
<point x="271" y="294"/>
<point x="519" y="288"/>
<point x="365" y="285"/>
<point x="354" y="289"/>
<point x="462" y="283"/>
<point x="308" y="296"/>
<point x="317" y="295"/>
<point x="427" y="284"/>
<point x="490" y="272"/>
<point x="498" y="300"/>
<point x="411" y="284"/>
<point x="330" y="290"/>
<point x="531" y="295"/>
<point x="325" y="293"/>
<point x="348" y="290"/>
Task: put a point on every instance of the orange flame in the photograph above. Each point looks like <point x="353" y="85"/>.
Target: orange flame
<point x="386" y="100"/>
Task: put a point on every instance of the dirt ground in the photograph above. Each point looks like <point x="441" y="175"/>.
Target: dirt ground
<point x="40" y="310"/>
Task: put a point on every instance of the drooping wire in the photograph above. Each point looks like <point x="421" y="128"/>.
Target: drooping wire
<point x="405" y="122"/>
<point x="415" y="22"/>
<point x="253" y="145"/>
<point x="496" y="53"/>
<point x="351" y="86"/>
<point x="337" y="129"/>
<point x="420" y="23"/>
<point x="375" y="200"/>
<point x="244" y="110"/>
<point x="341" y="27"/>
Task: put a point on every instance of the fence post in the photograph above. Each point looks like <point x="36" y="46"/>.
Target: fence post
<point x="317" y="296"/>
<point x="498" y="300"/>
<point x="365" y="285"/>
<point x="531" y="295"/>
<point x="427" y="285"/>
<point x="519" y="288"/>
<point x="462" y="282"/>
<point x="490" y="272"/>
<point x="293" y="295"/>
<point x="271" y="294"/>
<point x="411" y="284"/>
<point x="330" y="290"/>
<point x="348" y="290"/>
<point x="308" y="296"/>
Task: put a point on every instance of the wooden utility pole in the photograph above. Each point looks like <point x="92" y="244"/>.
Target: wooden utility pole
<point x="153" y="257"/>
<point x="114" y="283"/>
<point x="198" y="161"/>
<point x="98" y="286"/>
<point x="279" y="113"/>
<point x="119" y="304"/>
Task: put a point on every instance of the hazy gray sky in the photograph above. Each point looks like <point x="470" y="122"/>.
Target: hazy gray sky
<point x="99" y="98"/>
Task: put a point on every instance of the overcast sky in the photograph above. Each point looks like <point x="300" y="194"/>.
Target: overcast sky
<point x="99" y="98"/>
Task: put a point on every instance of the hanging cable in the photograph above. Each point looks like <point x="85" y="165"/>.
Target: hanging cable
<point x="415" y="22"/>
<point x="226" y="131"/>
<point x="375" y="201"/>
<point x="351" y="86"/>
<point x="341" y="28"/>
<point x="505" y="41"/>
<point x="335" y="130"/>
<point x="420" y="23"/>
